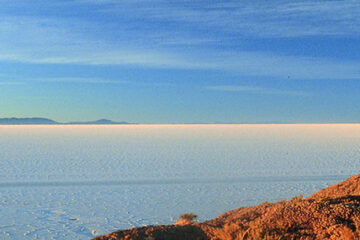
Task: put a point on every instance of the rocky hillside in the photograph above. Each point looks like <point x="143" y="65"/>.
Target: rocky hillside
<point x="332" y="213"/>
<point x="349" y="187"/>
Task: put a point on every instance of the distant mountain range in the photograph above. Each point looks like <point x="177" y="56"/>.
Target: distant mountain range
<point x="46" y="121"/>
<point x="100" y="121"/>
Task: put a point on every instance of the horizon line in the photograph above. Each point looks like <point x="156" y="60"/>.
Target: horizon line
<point x="104" y="121"/>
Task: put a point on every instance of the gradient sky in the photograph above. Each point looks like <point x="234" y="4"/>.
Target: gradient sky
<point x="157" y="61"/>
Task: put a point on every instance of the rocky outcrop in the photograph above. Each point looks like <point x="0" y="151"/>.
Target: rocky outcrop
<point x="332" y="213"/>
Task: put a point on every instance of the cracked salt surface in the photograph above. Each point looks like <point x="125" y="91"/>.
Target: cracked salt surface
<point x="75" y="182"/>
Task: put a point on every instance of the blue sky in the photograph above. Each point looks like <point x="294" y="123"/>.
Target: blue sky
<point x="156" y="61"/>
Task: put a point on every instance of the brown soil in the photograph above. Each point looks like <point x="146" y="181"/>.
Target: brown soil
<point x="332" y="213"/>
<point x="350" y="186"/>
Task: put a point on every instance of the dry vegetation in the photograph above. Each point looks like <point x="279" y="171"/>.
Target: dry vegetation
<point x="186" y="218"/>
<point x="332" y="213"/>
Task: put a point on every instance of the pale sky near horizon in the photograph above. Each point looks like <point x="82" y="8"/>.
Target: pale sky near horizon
<point x="157" y="61"/>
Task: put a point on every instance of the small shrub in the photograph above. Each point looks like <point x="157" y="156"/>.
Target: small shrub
<point x="188" y="217"/>
<point x="297" y="199"/>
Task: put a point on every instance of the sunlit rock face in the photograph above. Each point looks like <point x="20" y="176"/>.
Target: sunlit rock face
<point x="332" y="213"/>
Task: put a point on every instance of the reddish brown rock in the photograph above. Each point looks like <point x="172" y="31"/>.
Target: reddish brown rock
<point x="350" y="186"/>
<point x="332" y="213"/>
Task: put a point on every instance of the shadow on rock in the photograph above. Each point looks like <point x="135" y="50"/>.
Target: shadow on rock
<point x="171" y="232"/>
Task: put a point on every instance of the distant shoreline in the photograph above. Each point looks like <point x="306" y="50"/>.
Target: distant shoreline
<point x="47" y="121"/>
<point x="184" y="124"/>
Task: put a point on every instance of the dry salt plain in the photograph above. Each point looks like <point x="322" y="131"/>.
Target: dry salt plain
<point x="75" y="182"/>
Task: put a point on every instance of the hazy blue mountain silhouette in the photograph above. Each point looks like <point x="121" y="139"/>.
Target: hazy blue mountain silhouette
<point x="100" y="121"/>
<point x="17" y="121"/>
<point x="46" y="121"/>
